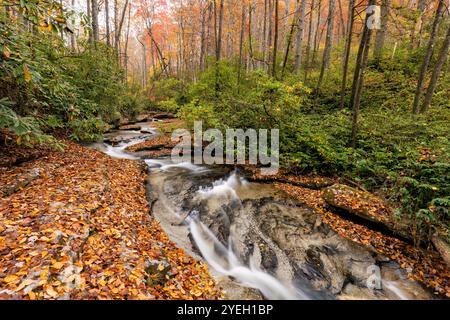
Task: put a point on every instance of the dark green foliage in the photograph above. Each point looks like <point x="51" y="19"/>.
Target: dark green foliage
<point x="79" y="92"/>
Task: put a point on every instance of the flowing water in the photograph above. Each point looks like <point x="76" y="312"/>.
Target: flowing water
<point x="258" y="242"/>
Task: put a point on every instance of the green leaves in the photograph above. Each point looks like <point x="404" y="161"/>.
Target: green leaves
<point x="65" y="91"/>
<point x="27" y="129"/>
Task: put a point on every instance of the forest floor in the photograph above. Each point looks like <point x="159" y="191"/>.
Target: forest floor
<point x="76" y="225"/>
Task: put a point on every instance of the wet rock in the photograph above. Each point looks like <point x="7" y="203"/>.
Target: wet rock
<point x="353" y="292"/>
<point x="21" y="182"/>
<point x="269" y="231"/>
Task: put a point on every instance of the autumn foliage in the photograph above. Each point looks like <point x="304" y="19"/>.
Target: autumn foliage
<point x="82" y="230"/>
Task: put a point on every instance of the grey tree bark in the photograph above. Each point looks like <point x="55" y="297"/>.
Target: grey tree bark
<point x="428" y="55"/>
<point x="436" y="73"/>
<point x="300" y="32"/>
<point x="348" y="45"/>
<point x="358" y="81"/>
<point x="381" y="33"/>
<point x="317" y="32"/>
<point x="328" y="41"/>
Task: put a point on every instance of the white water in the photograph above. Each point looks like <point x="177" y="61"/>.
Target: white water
<point x="225" y="262"/>
<point x="119" y="151"/>
<point x="392" y="286"/>
<point x="223" y="188"/>
<point x="166" y="165"/>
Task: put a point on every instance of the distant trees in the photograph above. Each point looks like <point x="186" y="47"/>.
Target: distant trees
<point x="348" y="44"/>
<point x="381" y="33"/>
<point x="276" y="36"/>
<point x="329" y="37"/>
<point x="428" y="55"/>
<point x="443" y="55"/>
<point x="300" y="32"/>
<point x="358" y="78"/>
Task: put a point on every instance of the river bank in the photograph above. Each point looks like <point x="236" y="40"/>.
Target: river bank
<point x="80" y="228"/>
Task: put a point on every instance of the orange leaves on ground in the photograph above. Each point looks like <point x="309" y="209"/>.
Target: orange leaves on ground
<point x="82" y="230"/>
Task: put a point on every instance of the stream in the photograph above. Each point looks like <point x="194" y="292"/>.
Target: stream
<point x="258" y="242"/>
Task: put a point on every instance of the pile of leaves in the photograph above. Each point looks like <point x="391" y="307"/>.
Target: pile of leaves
<point x="359" y="202"/>
<point x="82" y="230"/>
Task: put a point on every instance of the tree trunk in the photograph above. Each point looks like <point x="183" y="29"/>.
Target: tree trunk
<point x="428" y="55"/>
<point x="94" y="12"/>
<point x="289" y="39"/>
<point x="219" y="32"/>
<point x="363" y="54"/>
<point x="381" y="33"/>
<point x="348" y="46"/>
<point x="202" y="40"/>
<point x="327" y="51"/>
<point x="218" y="43"/>
<point x="250" y="39"/>
<point x="108" y="32"/>
<point x="241" y="41"/>
<point x="308" y="47"/>
<point x="300" y="32"/>
<point x="126" y="47"/>
<point x="144" y="64"/>
<point x="89" y="16"/>
<point x="316" y="35"/>
<point x="116" y="18"/>
<point x="341" y="23"/>
<point x="119" y="29"/>
<point x="287" y="4"/>
<point x="269" y="35"/>
<point x="264" y="36"/>
<point x="72" y="35"/>
<point x="436" y="73"/>
<point x="275" y="42"/>
<point x="209" y="46"/>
